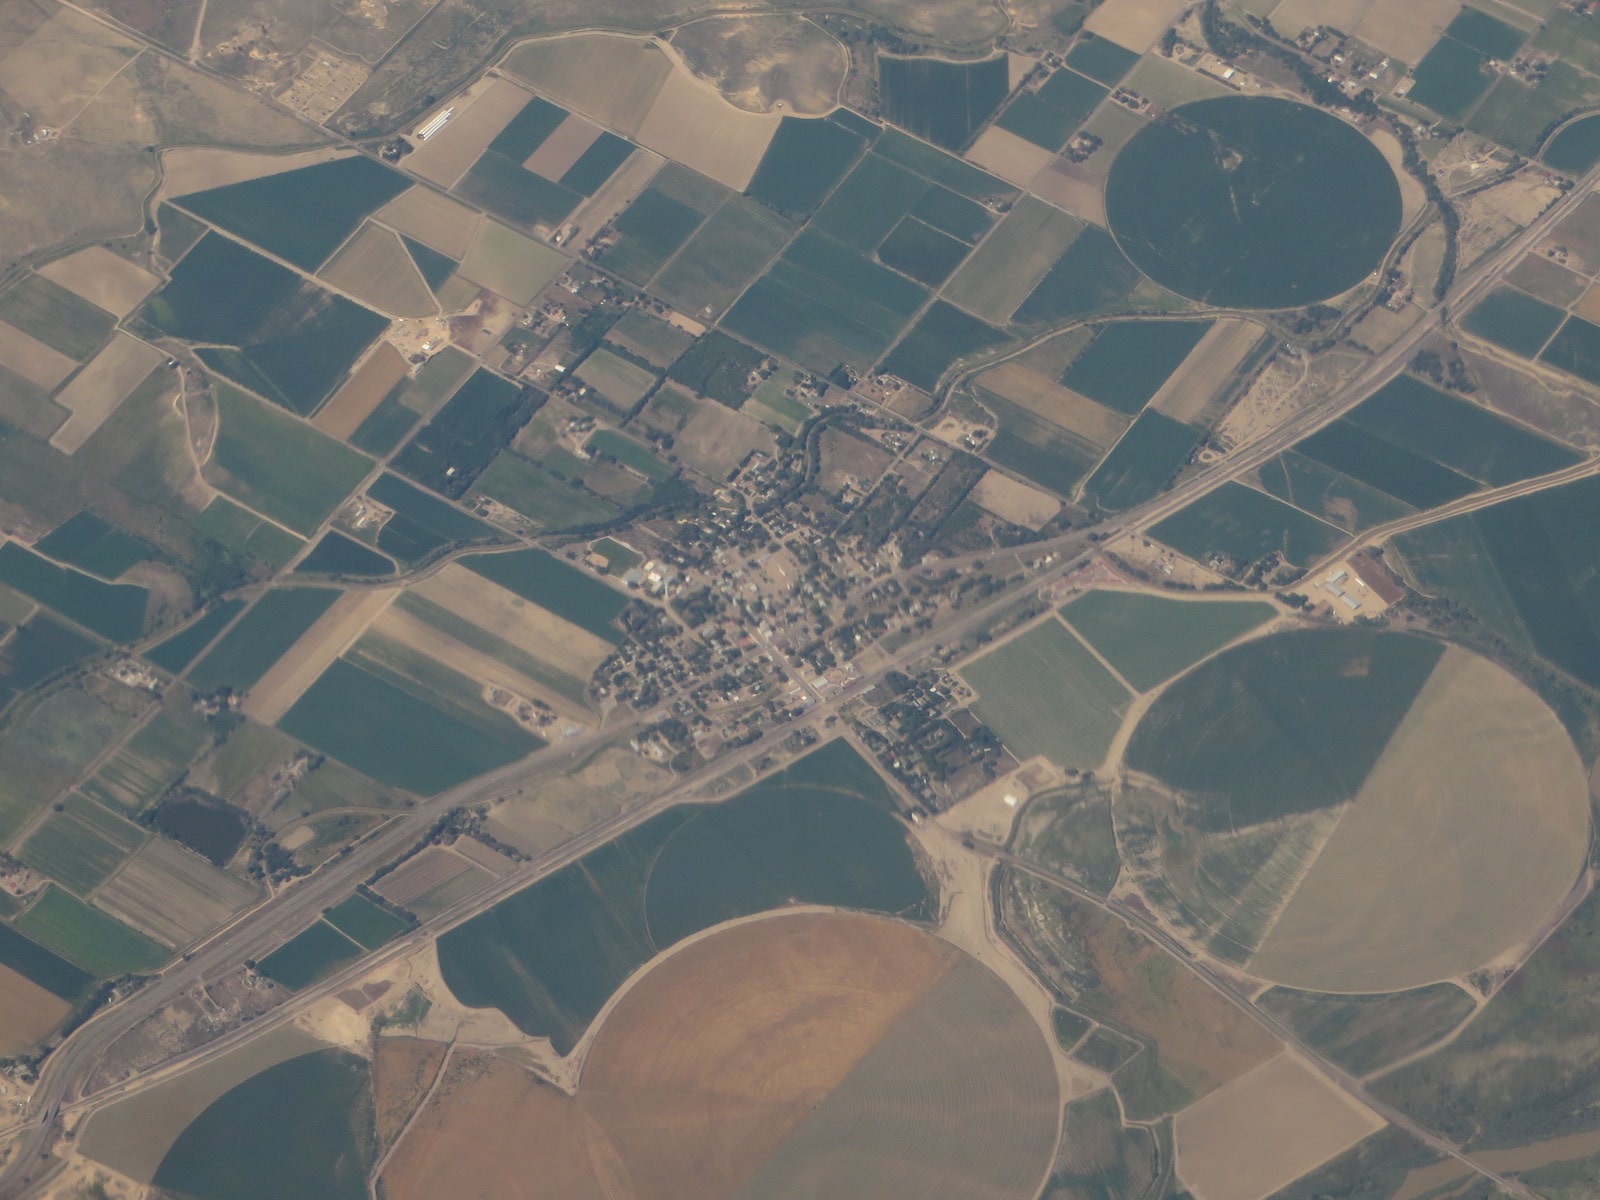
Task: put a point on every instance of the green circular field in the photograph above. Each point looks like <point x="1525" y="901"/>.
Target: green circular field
<point x="1253" y="202"/>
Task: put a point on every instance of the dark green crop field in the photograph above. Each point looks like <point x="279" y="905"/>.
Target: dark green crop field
<point x="95" y="941"/>
<point x="1254" y="202"/>
<point x="942" y="336"/>
<point x="49" y="970"/>
<point x="1046" y="117"/>
<point x="944" y="102"/>
<point x="1092" y="275"/>
<point x="934" y="164"/>
<point x="113" y="610"/>
<point x="337" y="554"/>
<point x="1576" y="148"/>
<point x="1450" y="78"/>
<point x="649" y="231"/>
<point x="93" y="544"/>
<point x="510" y="191"/>
<point x="1243" y="525"/>
<point x="301" y="215"/>
<point x="1328" y="494"/>
<point x="60" y="319"/>
<point x="1128" y="362"/>
<point x="1576" y="349"/>
<point x="422" y="524"/>
<point x="461" y="439"/>
<point x="1146" y="459"/>
<point x="817" y="832"/>
<point x="1486" y="34"/>
<point x="220" y="292"/>
<point x="363" y="921"/>
<point x="1284" y="724"/>
<point x="922" y="252"/>
<point x="179" y="650"/>
<point x="803" y="162"/>
<point x="1100" y="58"/>
<point x="302" y="1128"/>
<point x="260" y="637"/>
<point x="1150" y="638"/>
<point x="555" y="586"/>
<point x="1402" y="473"/>
<point x="1514" y="320"/>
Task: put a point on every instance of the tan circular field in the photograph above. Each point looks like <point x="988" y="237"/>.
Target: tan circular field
<point x="796" y="1055"/>
<point x="1458" y="847"/>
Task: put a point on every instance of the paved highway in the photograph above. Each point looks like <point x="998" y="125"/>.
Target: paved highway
<point x="261" y="930"/>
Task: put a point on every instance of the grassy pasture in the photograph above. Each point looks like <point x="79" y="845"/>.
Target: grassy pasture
<point x="320" y="1103"/>
<point x="100" y="944"/>
<point x="1038" y="449"/>
<point x="154" y="759"/>
<point x="93" y="544"/>
<point x="402" y="730"/>
<point x="1128" y="362"/>
<point x="1100" y="59"/>
<point x="252" y="455"/>
<point x="46" y="744"/>
<point x="870" y="201"/>
<point x="1145" y="460"/>
<point x="803" y="162"/>
<point x="1282" y="725"/>
<point x="941" y="337"/>
<point x="649" y="337"/>
<point x="650" y="231"/>
<point x="1047" y="116"/>
<point x="815" y="832"/>
<point x="1069" y="830"/>
<point x="113" y="610"/>
<point x="539" y="495"/>
<point x="1243" y="525"/>
<point x="919" y="250"/>
<point x="80" y="846"/>
<point x="1090" y="276"/>
<point x="1005" y="269"/>
<point x="302" y="215"/>
<point x="36" y="650"/>
<point x="945" y="169"/>
<point x="1518" y="116"/>
<point x="236" y="528"/>
<point x="260" y="638"/>
<point x="1514" y="321"/>
<point x="1329" y="494"/>
<point x="368" y="924"/>
<point x="618" y="380"/>
<point x="943" y="102"/>
<point x="1365" y="1033"/>
<point x="1148" y="638"/>
<point x="1404" y="474"/>
<point x="1043" y="693"/>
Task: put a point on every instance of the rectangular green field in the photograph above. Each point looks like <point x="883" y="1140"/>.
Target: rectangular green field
<point x="803" y="162"/>
<point x="1514" y="321"/>
<point x="1036" y="449"/>
<point x="260" y="638"/>
<point x="421" y="734"/>
<point x="44" y="967"/>
<point x="282" y="468"/>
<point x="1090" y="276"/>
<point x="538" y="495"/>
<point x="722" y="257"/>
<point x="308" y="956"/>
<point x="80" y="849"/>
<point x="630" y="454"/>
<point x="941" y="168"/>
<point x="943" y="336"/>
<point x="1324" y="492"/>
<point x="556" y="587"/>
<point x="618" y="380"/>
<point x="93" y="544"/>
<point x="154" y="759"/>
<point x="1044" y="693"/>
<point x="1128" y="362"/>
<point x="1148" y="639"/>
<point x="1243" y="525"/>
<point x="1145" y="459"/>
<point x="1450" y="78"/>
<point x="113" y="610"/>
<point x="183" y="647"/>
<point x="47" y="744"/>
<point x="246" y="533"/>
<point x="1575" y="349"/>
<point x="89" y="938"/>
<point x="1012" y="260"/>
<point x="60" y="319"/>
<point x="422" y="524"/>
<point x="369" y="924"/>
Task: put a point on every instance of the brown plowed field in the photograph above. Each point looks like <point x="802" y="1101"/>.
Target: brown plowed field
<point x="27" y="1011"/>
<point x="711" y="1060"/>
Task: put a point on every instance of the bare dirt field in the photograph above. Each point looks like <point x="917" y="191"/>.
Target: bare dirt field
<point x="1266" y="1129"/>
<point x="133" y="1135"/>
<point x="1412" y="197"/>
<point x="1293" y="16"/>
<point x="557" y="153"/>
<point x="403" y="1068"/>
<point x="32" y="359"/>
<point x="186" y="169"/>
<point x="58" y="70"/>
<point x="1134" y="23"/>
<point x="1014" y="159"/>
<point x="433" y="219"/>
<point x="1059" y="405"/>
<point x="1406" y="29"/>
<point x="1467" y="834"/>
<point x="1078" y="188"/>
<point x="1210" y="365"/>
<point x="27" y="1011"/>
<point x="692" y="123"/>
<point x="330" y="635"/>
<point x="172" y="894"/>
<point x="717" y="439"/>
<point x="361" y="393"/>
<point x="1013" y="501"/>
<point x="373" y="266"/>
<point x="102" y="385"/>
<point x="481" y="113"/>
<point x="102" y="278"/>
<point x="766" y="63"/>
<point x="1589" y="306"/>
<point x="611" y="77"/>
<point x="526" y="626"/>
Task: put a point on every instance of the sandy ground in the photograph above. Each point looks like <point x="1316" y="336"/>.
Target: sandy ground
<point x="561" y="149"/>
<point x="613" y="78"/>
<point x="1467" y="834"/>
<point x="187" y="169"/>
<point x="692" y="123"/>
<point x="32" y="359"/>
<point x="27" y="1011"/>
<point x="433" y="219"/>
<point x="1412" y="198"/>
<point x="102" y="278"/>
<point x="1014" y="159"/>
<point x="526" y="626"/>
<point x="330" y="635"/>
<point x="1209" y="366"/>
<point x="361" y="393"/>
<point x="1135" y="24"/>
<point x="482" y="111"/>
<point x="776" y="63"/>
<point x="1264" y="1130"/>
<point x="374" y="267"/>
<point x="100" y="387"/>
<point x="1014" y="501"/>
